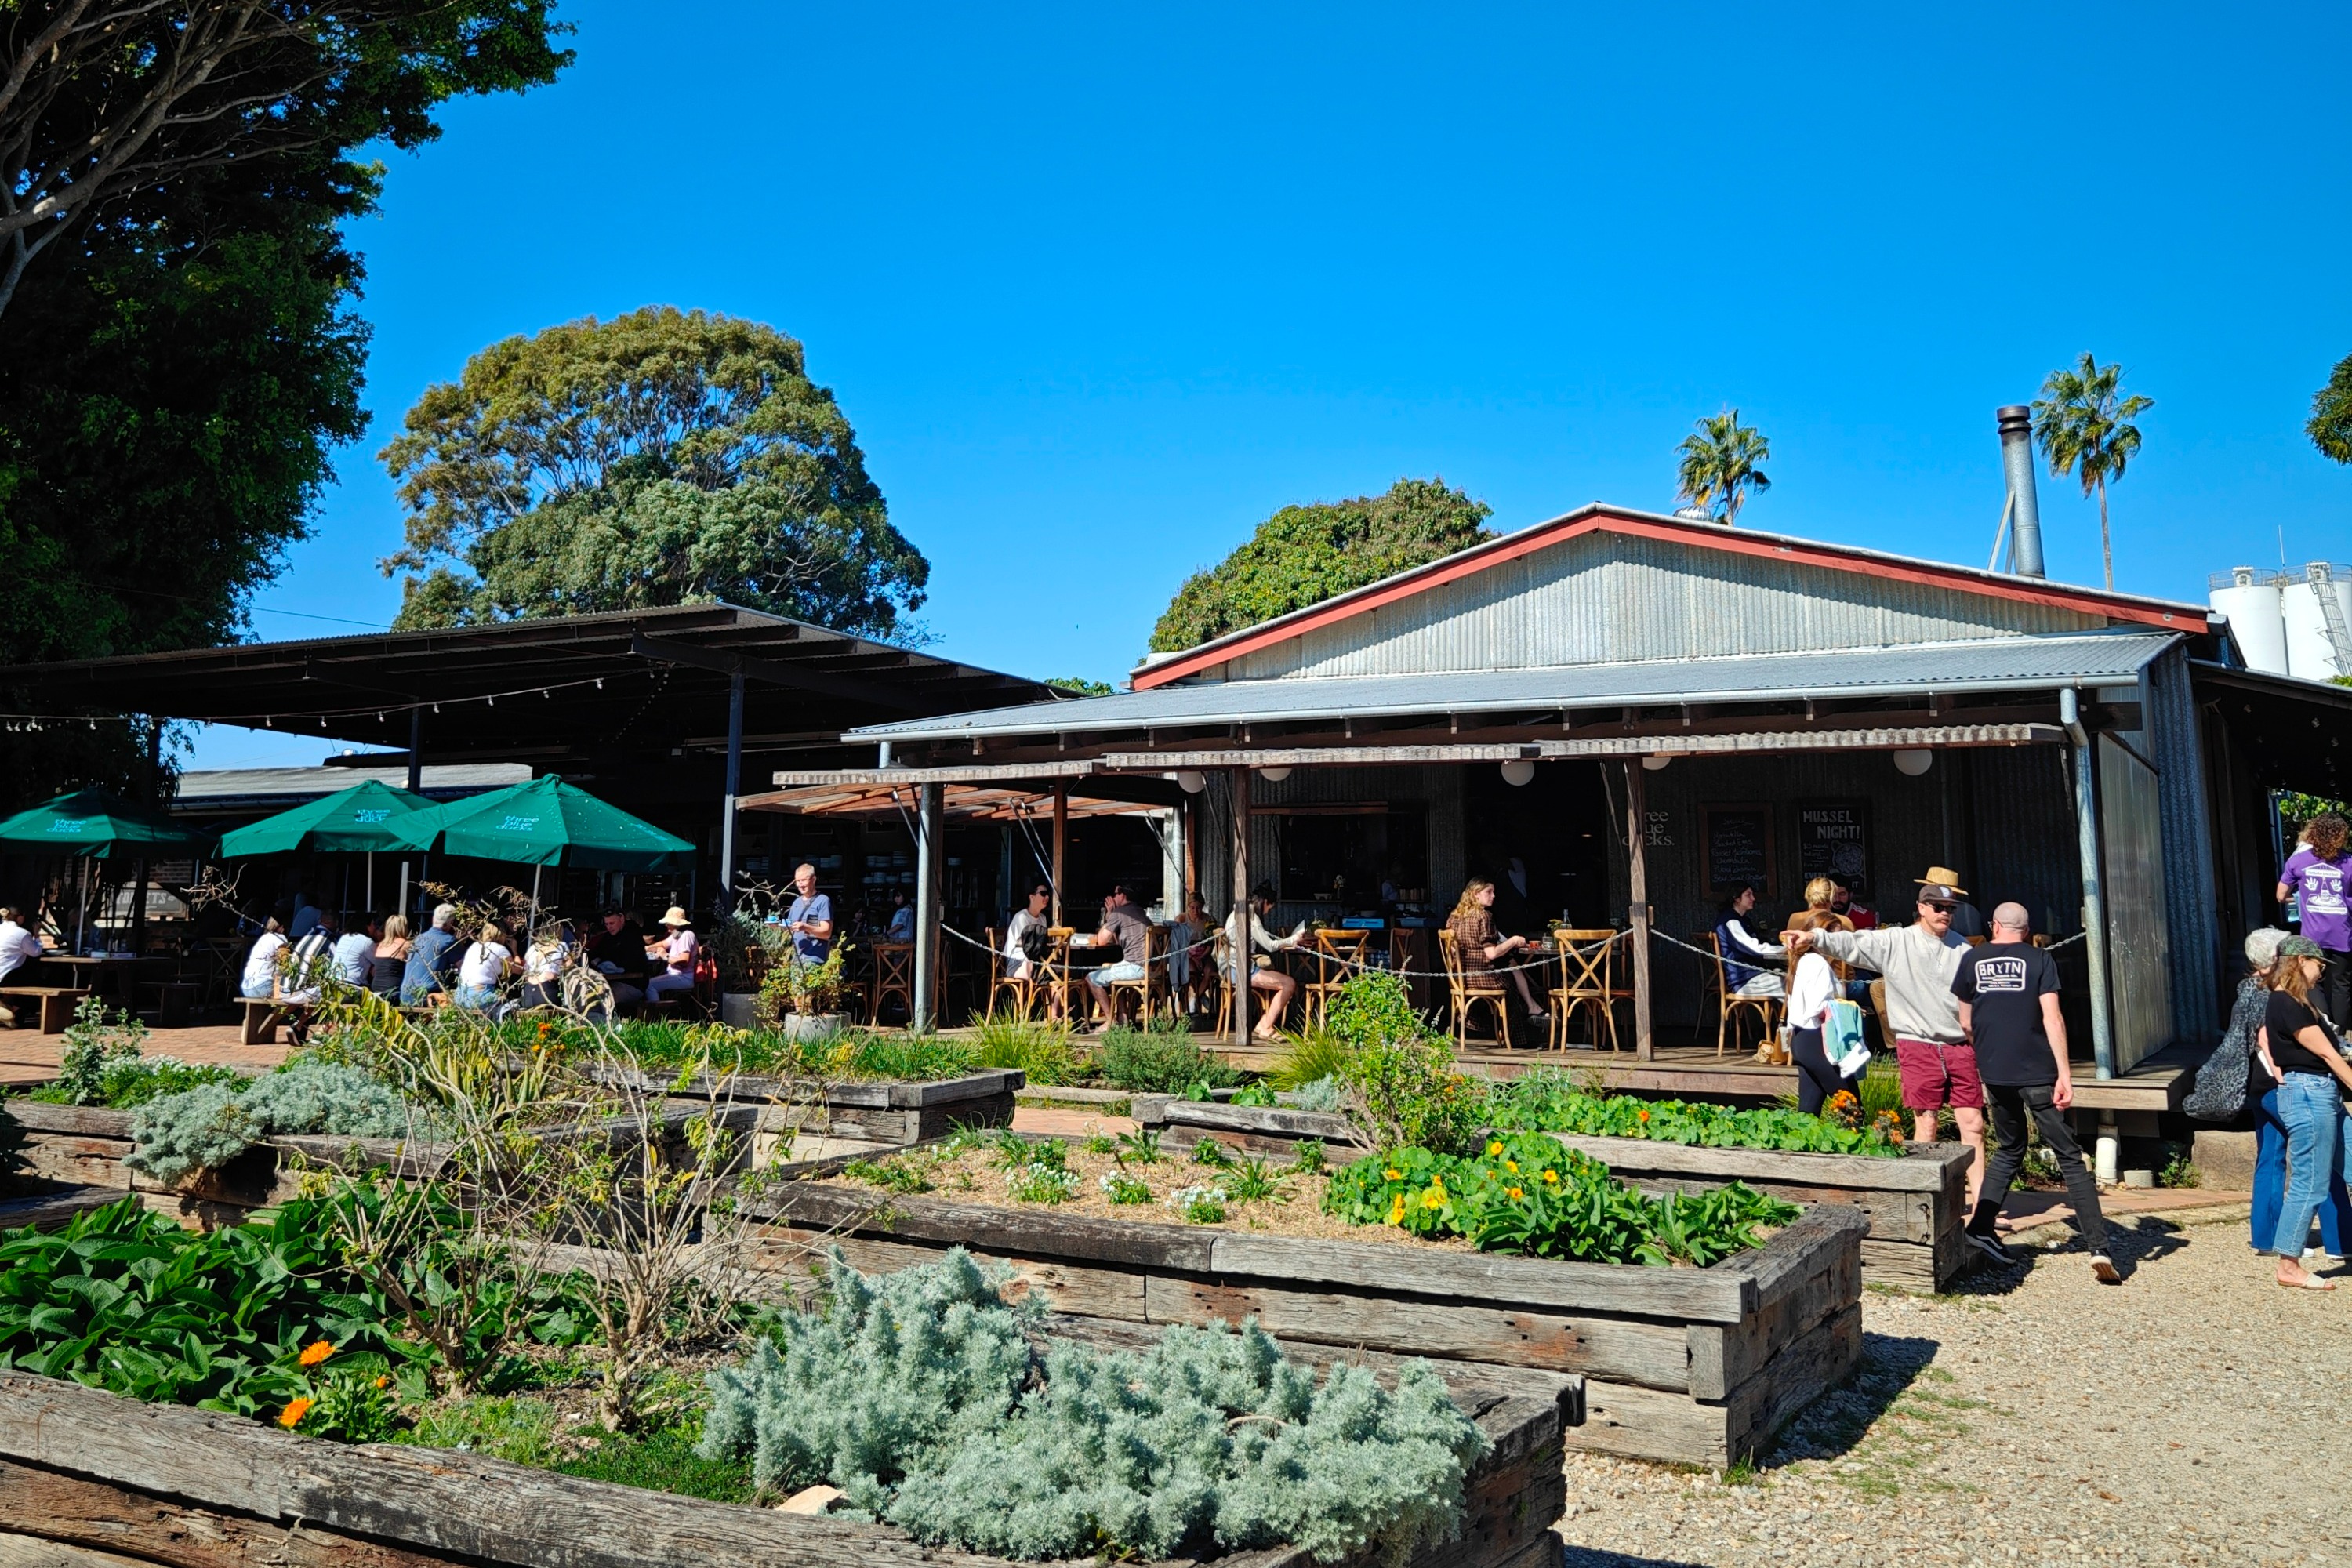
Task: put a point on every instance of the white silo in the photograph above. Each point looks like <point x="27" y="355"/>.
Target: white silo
<point x="2250" y="598"/>
<point x="2319" y="614"/>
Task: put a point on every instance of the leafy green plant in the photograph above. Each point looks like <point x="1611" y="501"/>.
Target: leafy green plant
<point x="211" y="1124"/>
<point x="1140" y="1147"/>
<point x="1041" y="1050"/>
<point x="92" y="1044"/>
<point x="1161" y="1060"/>
<point x="1527" y="1193"/>
<point x="129" y="1082"/>
<point x="1307" y="1157"/>
<point x="1101" y="1143"/>
<point x="1403" y="1085"/>
<point x="1125" y="1189"/>
<point x="1211" y="1152"/>
<point x="1040" y="1183"/>
<point x="896" y="1175"/>
<point x="1250" y="1179"/>
<point x="1314" y="1056"/>
<point x="1544" y="1100"/>
<point x="909" y="1058"/>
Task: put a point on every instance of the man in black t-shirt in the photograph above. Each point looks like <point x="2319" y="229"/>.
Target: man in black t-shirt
<point x="2007" y="991"/>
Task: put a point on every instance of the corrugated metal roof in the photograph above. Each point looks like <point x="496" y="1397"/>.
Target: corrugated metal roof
<point x="1980" y="664"/>
<point x="212" y="786"/>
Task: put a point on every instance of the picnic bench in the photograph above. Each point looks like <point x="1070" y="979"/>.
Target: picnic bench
<point x="57" y="1003"/>
<point x="262" y="1016"/>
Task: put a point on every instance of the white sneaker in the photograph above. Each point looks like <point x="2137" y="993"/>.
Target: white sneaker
<point x="2103" y="1269"/>
<point x="2314" y="1257"/>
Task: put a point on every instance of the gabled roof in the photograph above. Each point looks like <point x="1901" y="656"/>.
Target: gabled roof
<point x="2163" y="614"/>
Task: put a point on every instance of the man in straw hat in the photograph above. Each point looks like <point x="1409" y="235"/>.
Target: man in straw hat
<point x="1937" y="1065"/>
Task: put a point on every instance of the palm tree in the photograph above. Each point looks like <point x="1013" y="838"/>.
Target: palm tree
<point x="2085" y="425"/>
<point x="1722" y="465"/>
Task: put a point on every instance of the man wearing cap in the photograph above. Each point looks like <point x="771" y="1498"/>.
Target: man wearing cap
<point x="1931" y="1051"/>
<point x="2007" y="991"/>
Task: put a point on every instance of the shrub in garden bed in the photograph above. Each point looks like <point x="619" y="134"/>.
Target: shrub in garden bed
<point x="1548" y="1101"/>
<point x="207" y="1126"/>
<point x="1161" y="1059"/>
<point x="104" y="1062"/>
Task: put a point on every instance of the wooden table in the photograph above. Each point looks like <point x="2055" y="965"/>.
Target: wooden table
<point x="93" y="972"/>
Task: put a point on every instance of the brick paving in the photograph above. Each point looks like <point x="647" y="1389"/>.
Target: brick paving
<point x="29" y="1057"/>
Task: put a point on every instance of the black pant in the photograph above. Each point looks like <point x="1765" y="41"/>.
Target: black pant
<point x="2334" y="992"/>
<point x="1817" y="1076"/>
<point x="2010" y="1105"/>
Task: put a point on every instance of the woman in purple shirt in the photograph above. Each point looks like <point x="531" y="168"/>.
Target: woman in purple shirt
<point x="2317" y="877"/>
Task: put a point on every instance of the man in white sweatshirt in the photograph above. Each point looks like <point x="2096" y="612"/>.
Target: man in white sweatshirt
<point x="1932" y="1053"/>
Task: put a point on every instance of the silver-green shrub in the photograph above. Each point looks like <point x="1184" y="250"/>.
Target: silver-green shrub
<point x="211" y="1124"/>
<point x="920" y="1396"/>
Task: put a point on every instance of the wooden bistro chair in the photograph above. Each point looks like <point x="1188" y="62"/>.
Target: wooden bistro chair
<point x="1056" y="979"/>
<point x="1022" y="993"/>
<point x="1466" y="996"/>
<point x="1588" y="961"/>
<point x="1338" y="955"/>
<point x="1730" y="1005"/>
<point x="1151" y="993"/>
<point x="894" y="975"/>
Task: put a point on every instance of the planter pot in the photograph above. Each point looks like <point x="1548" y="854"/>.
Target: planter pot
<point x="738" y="1009"/>
<point x="1915" y="1202"/>
<point x="1698" y="1366"/>
<point x="818" y="1027"/>
<point x="195" y="1489"/>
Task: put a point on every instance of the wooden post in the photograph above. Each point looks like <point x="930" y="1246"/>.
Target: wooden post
<point x="1061" y="841"/>
<point x="1637" y="833"/>
<point x="725" y="903"/>
<point x="415" y="787"/>
<point x="1243" y="953"/>
<point x="1188" y="823"/>
<point x="930" y="870"/>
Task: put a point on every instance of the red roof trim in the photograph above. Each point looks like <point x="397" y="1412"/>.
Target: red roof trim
<point x="1704" y="536"/>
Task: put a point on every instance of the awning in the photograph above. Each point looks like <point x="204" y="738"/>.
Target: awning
<point x="964" y="802"/>
<point x="1667" y="745"/>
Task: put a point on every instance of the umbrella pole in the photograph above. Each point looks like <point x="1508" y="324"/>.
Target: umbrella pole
<point x="81" y="906"/>
<point x="371" y="887"/>
<point x="534" y="903"/>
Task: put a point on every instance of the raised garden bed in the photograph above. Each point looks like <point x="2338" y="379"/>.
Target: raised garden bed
<point x="891" y="1114"/>
<point x="1693" y="1366"/>
<point x="189" y="1489"/>
<point x="1916" y="1202"/>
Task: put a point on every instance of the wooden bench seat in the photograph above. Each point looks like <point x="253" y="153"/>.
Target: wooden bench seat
<point x="57" y="1003"/>
<point x="262" y="1016"/>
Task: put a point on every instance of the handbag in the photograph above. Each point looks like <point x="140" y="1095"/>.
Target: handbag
<point x="1842" y="1036"/>
<point x="2219" y="1092"/>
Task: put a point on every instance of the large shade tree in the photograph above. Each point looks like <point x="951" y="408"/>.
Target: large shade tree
<point x="2330" y="426"/>
<point x="2084" y="422"/>
<point x="666" y="456"/>
<point x="1303" y="554"/>
<point x="1720" y="464"/>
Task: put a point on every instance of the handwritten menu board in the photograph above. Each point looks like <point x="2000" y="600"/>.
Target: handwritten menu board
<point x="1736" y="841"/>
<point x="1834" y="840"/>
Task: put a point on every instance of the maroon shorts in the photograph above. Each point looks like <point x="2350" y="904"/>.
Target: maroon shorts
<point x="1935" y="1075"/>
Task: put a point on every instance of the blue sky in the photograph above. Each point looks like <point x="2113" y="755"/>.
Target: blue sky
<point x="1099" y="289"/>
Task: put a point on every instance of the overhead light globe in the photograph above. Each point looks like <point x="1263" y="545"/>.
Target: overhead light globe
<point x="1913" y="761"/>
<point x="1518" y="772"/>
<point x="1274" y="775"/>
<point x="1655" y="764"/>
<point x="1189" y="782"/>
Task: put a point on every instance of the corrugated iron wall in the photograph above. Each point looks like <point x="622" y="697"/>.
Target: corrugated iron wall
<point x="1611" y="597"/>
<point x="2197" y="940"/>
<point x="2140" y="938"/>
<point x="1438" y="787"/>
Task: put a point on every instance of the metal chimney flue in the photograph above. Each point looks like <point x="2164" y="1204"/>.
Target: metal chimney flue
<point x="2016" y="425"/>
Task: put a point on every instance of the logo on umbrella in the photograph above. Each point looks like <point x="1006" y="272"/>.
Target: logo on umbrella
<point x="372" y="815"/>
<point x="518" y="823"/>
<point x="69" y="824"/>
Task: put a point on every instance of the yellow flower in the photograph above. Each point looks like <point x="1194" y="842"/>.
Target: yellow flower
<point x="1516" y="1193"/>
<point x="1512" y="1167"/>
<point x="1432" y="1199"/>
<point x="313" y="1354"/>
<point x="1393" y="1175"/>
<point x="1494" y="1147"/>
<point x="296" y="1408"/>
<point x="1552" y="1176"/>
<point x="1396" y="1210"/>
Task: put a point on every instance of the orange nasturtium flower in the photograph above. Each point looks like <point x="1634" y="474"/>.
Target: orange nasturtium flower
<point x="1433" y="1199"/>
<point x="313" y="1354"/>
<point x="1641" y="1116"/>
<point x="1512" y="1167"/>
<point x="384" y="1383"/>
<point x="296" y="1408"/>
<point x="1396" y="1210"/>
<point x="1516" y="1193"/>
<point x="1552" y="1176"/>
<point x="1494" y="1147"/>
<point x="1393" y="1175"/>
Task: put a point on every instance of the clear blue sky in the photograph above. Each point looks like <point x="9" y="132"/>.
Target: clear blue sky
<point x="1100" y="288"/>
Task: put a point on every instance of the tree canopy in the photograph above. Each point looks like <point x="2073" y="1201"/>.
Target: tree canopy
<point x="2330" y="428"/>
<point x="1721" y="464"/>
<point x="2085" y="425"/>
<point x="1304" y="553"/>
<point x="666" y="456"/>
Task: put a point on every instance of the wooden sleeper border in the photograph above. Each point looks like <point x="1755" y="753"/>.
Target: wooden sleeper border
<point x="1916" y="1203"/>
<point x="192" y="1488"/>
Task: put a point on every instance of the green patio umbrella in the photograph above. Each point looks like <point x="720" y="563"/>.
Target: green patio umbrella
<point x="94" y="825"/>
<point x="351" y="820"/>
<point x="546" y="821"/>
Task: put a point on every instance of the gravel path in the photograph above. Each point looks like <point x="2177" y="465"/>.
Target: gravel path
<point x="2038" y="1417"/>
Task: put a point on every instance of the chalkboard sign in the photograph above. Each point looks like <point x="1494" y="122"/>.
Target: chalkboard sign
<point x="1834" y="840"/>
<point x="1737" y="844"/>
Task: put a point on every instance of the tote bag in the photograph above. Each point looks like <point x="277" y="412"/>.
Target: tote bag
<point x="1842" y="1038"/>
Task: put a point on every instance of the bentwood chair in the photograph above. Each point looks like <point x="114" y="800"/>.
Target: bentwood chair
<point x="1587" y="962"/>
<point x="1730" y="1007"/>
<point x="1338" y="955"/>
<point x="1151" y="993"/>
<point x="1466" y="994"/>
<point x="894" y="975"/>
<point x="1056" y="978"/>
<point x="1023" y="990"/>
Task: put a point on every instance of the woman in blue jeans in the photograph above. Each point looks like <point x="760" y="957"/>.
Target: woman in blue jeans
<point x="2310" y="1104"/>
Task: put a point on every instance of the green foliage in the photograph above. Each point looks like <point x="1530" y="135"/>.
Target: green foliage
<point x="1547" y="1100"/>
<point x="12" y="1145"/>
<point x="1303" y="554"/>
<point x="1161" y="1060"/>
<point x="1078" y="685"/>
<point x="2330" y="426"/>
<point x="1527" y="1193"/>
<point x="1140" y="1147"/>
<point x="906" y="1058"/>
<point x="918" y="1395"/>
<point x="2085" y="425"/>
<point x="1043" y="1050"/>
<point x="892" y="1175"/>
<point x="1254" y="1093"/>
<point x="211" y="1124"/>
<point x="1202" y="1203"/>
<point x="1323" y="1094"/>
<point x="1307" y="1158"/>
<point x="1042" y="1183"/>
<point x="1314" y="1056"/>
<point x="102" y="1063"/>
<point x="1405" y="1087"/>
<point x="1720" y="464"/>
<point x="1248" y="1179"/>
<point x="1125" y="1189"/>
<point x="666" y="456"/>
<point x="126" y="1300"/>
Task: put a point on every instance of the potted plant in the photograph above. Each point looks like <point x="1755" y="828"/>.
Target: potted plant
<point x="804" y="999"/>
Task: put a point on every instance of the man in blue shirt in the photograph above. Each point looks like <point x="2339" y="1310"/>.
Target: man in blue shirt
<point x="810" y="919"/>
<point x="429" y="960"/>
